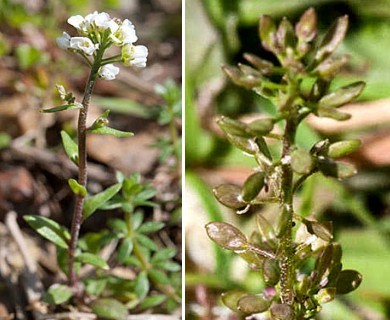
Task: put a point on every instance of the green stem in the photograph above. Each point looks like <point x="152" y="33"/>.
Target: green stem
<point x="287" y="254"/>
<point x="174" y="139"/>
<point x="82" y="180"/>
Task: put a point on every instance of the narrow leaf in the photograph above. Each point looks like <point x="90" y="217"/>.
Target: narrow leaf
<point x="58" y="294"/>
<point x="151" y="226"/>
<point x="93" y="203"/>
<point x="49" y="229"/>
<point x="77" y="188"/>
<point x="142" y="285"/>
<point x="152" y="301"/>
<point x="62" y="108"/>
<point x="92" y="259"/>
<point x="164" y="254"/>
<point x="125" y="249"/>
<point x="111" y="132"/>
<point x="109" y="309"/>
<point x="70" y="147"/>
<point x="158" y="276"/>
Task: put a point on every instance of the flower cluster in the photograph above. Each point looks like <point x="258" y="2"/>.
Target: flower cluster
<point x="97" y="32"/>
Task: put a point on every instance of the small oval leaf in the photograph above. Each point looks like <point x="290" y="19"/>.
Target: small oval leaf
<point x="71" y="148"/>
<point x="92" y="259"/>
<point x="109" y="309"/>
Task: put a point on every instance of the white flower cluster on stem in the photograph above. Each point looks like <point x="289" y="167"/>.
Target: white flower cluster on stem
<point x="99" y="31"/>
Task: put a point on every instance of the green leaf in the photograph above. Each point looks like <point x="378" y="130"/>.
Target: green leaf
<point x="49" y="229"/>
<point x="125" y="249"/>
<point x="164" y="254"/>
<point x="153" y="301"/>
<point x="58" y="294"/>
<point x="111" y="132"/>
<point x="95" y="286"/>
<point x="142" y="285"/>
<point x="109" y="309"/>
<point x="73" y="106"/>
<point x="151" y="226"/>
<point x="168" y="266"/>
<point x="226" y="236"/>
<point x="93" y="203"/>
<point x="158" y="276"/>
<point x="101" y="121"/>
<point x="92" y="259"/>
<point x="71" y="148"/>
<point x="146" y="242"/>
<point x="77" y="188"/>
<point x="5" y="140"/>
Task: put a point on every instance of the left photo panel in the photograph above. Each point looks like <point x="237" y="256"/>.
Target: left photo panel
<point x="90" y="160"/>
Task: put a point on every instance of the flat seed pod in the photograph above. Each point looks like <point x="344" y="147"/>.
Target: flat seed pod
<point x="348" y="280"/>
<point x="261" y="127"/>
<point x="343" y="148"/>
<point x="301" y="161"/>
<point x="265" y="228"/>
<point x="332" y="113"/>
<point x="306" y="28"/>
<point x="342" y="96"/>
<point x="321" y="230"/>
<point x="323" y="263"/>
<point x="281" y="311"/>
<point x="247" y="145"/>
<point x="230" y="299"/>
<point x="252" y="186"/>
<point x="233" y="127"/>
<point x="251" y="304"/>
<point x="271" y="272"/>
<point x="335" y="169"/>
<point x="226" y="236"/>
<point x="229" y="195"/>
<point x="332" y="38"/>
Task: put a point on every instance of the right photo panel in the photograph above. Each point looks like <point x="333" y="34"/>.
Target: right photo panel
<point x="287" y="162"/>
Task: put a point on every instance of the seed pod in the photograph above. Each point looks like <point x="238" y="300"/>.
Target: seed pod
<point x="343" y="148"/>
<point x="332" y="113"/>
<point x="247" y="145"/>
<point x="330" y="67"/>
<point x="267" y="30"/>
<point x="281" y="311"/>
<point x="335" y="169"/>
<point x="229" y="195"/>
<point x="240" y="78"/>
<point x="263" y="147"/>
<point x="306" y="28"/>
<point x="264" y="66"/>
<point x="301" y="161"/>
<point x="326" y="295"/>
<point x="251" y="304"/>
<point x="332" y="38"/>
<point x="252" y="186"/>
<point x="348" y="280"/>
<point x="230" y="299"/>
<point x="342" y="96"/>
<point x="266" y="230"/>
<point x="321" y="230"/>
<point x="261" y="127"/>
<point x="271" y="272"/>
<point x="226" y="236"/>
<point x="254" y="260"/>
<point x="285" y="36"/>
<point x="233" y="127"/>
<point x="319" y="89"/>
<point x="323" y="263"/>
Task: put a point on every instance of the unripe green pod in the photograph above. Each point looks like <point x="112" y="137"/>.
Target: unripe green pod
<point x="229" y="195"/>
<point x="332" y="113"/>
<point x="261" y="127"/>
<point x="247" y="145"/>
<point x="271" y="272"/>
<point x="301" y="161"/>
<point x="348" y="281"/>
<point x="343" y="148"/>
<point x="233" y="127"/>
<point x="342" y="96"/>
<point x="252" y="186"/>
<point x="251" y="304"/>
<point x="226" y="236"/>
<point x="230" y="298"/>
<point x="281" y="311"/>
<point x="339" y="170"/>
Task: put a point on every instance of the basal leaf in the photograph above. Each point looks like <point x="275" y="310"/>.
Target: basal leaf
<point x="92" y="259"/>
<point x="49" y="229"/>
<point x="58" y="294"/>
<point x="109" y="309"/>
<point x="93" y="203"/>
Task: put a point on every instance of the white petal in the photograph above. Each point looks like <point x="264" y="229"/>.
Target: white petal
<point x="140" y="52"/>
<point x="76" y="21"/>
<point x="84" y="44"/>
<point x="108" y="72"/>
<point x="64" y="41"/>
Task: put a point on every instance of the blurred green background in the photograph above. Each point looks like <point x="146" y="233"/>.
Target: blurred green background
<point x="219" y="32"/>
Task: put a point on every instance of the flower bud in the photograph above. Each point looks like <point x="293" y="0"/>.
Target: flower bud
<point x="306" y="28"/>
<point x="342" y="96"/>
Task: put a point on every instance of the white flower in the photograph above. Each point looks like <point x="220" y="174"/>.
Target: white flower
<point x="108" y="72"/>
<point x="77" y="22"/>
<point x="134" y="55"/>
<point x="103" y="22"/>
<point x="84" y="44"/>
<point x="125" y="34"/>
<point x="64" y="41"/>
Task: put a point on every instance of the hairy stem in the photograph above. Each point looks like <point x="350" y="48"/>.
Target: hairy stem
<point x="82" y="139"/>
